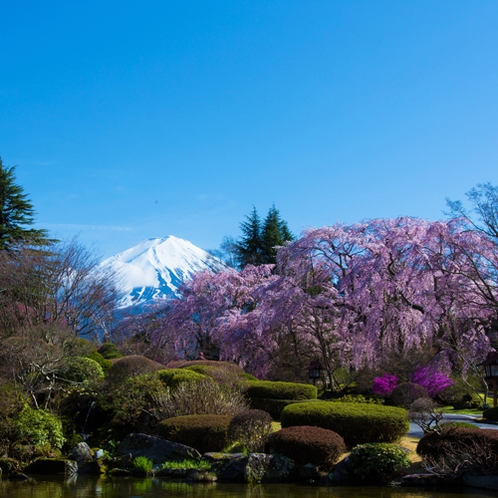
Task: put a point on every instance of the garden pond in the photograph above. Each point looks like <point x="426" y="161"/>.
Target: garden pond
<point x="88" y="487"/>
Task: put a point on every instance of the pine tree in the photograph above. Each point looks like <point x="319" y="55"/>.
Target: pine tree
<point x="259" y="242"/>
<point x="248" y="247"/>
<point x="274" y="234"/>
<point x="16" y="212"/>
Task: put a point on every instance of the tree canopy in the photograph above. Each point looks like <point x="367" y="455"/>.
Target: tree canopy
<point x="16" y="213"/>
<point x="260" y="240"/>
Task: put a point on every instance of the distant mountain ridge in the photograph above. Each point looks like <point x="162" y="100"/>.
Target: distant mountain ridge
<point x="155" y="268"/>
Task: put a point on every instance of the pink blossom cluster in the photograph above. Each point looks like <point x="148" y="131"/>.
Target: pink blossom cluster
<point x="384" y="385"/>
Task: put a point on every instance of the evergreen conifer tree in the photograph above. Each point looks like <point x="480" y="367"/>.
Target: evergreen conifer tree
<point x="248" y="248"/>
<point x="16" y="212"/>
<point x="274" y="233"/>
<point x="259" y="241"/>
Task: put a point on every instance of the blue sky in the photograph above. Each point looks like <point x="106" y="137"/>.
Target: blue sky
<point x="129" y="120"/>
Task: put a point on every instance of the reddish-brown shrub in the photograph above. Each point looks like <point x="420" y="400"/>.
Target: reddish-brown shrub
<point x="435" y="445"/>
<point x="308" y="444"/>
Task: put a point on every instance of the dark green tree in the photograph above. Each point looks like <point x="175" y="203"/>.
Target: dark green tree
<point x="248" y="247"/>
<point x="260" y="241"/>
<point x="275" y="233"/>
<point x="16" y="213"/>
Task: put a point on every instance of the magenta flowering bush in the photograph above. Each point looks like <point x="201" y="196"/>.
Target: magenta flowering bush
<point x="384" y="385"/>
<point x="434" y="382"/>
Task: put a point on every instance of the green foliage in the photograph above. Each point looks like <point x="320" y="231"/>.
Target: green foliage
<point x="103" y="362"/>
<point x="143" y="464"/>
<point x="110" y="351"/>
<point x="468" y="401"/>
<point x="356" y="423"/>
<point x="491" y="414"/>
<point x="35" y="433"/>
<point x="280" y="390"/>
<point x="452" y="425"/>
<point x="250" y="428"/>
<point x="188" y="464"/>
<point x="308" y="444"/>
<point x="173" y="377"/>
<point x="202" y="432"/>
<point x="77" y="346"/>
<point x="216" y="369"/>
<point x="16" y="213"/>
<point x="406" y="393"/>
<point x="358" y="398"/>
<point x="136" y="403"/>
<point x="81" y="370"/>
<point x="130" y="366"/>
<point x="377" y="462"/>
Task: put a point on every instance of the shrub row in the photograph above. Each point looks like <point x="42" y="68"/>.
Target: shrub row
<point x="173" y="377"/>
<point x="356" y="423"/>
<point x="280" y="390"/>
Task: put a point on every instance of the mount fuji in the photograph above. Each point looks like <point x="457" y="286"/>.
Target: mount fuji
<point x="155" y="269"/>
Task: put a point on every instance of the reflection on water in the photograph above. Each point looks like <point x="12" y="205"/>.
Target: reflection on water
<point x="87" y="487"/>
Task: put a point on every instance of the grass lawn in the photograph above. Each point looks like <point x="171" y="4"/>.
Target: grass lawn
<point x="465" y="411"/>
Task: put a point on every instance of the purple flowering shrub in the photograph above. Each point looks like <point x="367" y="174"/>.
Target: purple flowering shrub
<point x="384" y="385"/>
<point x="434" y="382"/>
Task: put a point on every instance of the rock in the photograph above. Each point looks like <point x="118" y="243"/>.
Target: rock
<point x="93" y="468"/>
<point x="98" y="454"/>
<point x="120" y="472"/>
<point x="18" y="476"/>
<point x="424" y="480"/>
<point x="483" y="482"/>
<point x="340" y="474"/>
<point x="268" y="468"/>
<point x="202" y="476"/>
<point x="308" y="473"/>
<point x="82" y="452"/>
<point x="155" y="448"/>
<point x="231" y="468"/>
<point x="52" y="466"/>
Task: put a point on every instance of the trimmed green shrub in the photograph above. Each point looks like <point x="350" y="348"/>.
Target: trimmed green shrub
<point x="131" y="366"/>
<point x="250" y="428"/>
<point x="280" y="390"/>
<point x="202" y="432"/>
<point x="81" y="370"/>
<point x="35" y="433"/>
<point x="137" y="403"/>
<point x="103" y="362"/>
<point x="377" y="462"/>
<point x="358" y="398"/>
<point x="212" y="367"/>
<point x="356" y="423"/>
<point x="468" y="401"/>
<point x="110" y="351"/>
<point x="491" y="414"/>
<point x="406" y="393"/>
<point x="308" y="444"/>
<point x="452" y="425"/>
<point x="78" y="346"/>
<point x="173" y="377"/>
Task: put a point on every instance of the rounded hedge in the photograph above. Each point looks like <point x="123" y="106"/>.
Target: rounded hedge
<point x="213" y="368"/>
<point x="131" y="366"/>
<point x="202" y="432"/>
<point x="173" y="377"/>
<point x="356" y="423"/>
<point x="308" y="444"/>
<point x="455" y="439"/>
<point x="268" y="389"/>
<point x="377" y="462"/>
<point x="491" y="414"/>
<point x="110" y="351"/>
<point x="250" y="428"/>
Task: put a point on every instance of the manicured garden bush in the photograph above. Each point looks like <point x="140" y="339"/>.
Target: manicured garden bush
<point x="377" y="462"/>
<point x="406" y="393"/>
<point x="456" y="438"/>
<point x="202" y="432"/>
<point x="173" y="377"/>
<point x="81" y="370"/>
<point x="356" y="423"/>
<point x="131" y="366"/>
<point x="110" y="351"/>
<point x="273" y="397"/>
<point x="280" y="390"/>
<point x="250" y="428"/>
<point x="103" y="362"/>
<point x="308" y="444"/>
<point x="213" y="368"/>
<point x="491" y="414"/>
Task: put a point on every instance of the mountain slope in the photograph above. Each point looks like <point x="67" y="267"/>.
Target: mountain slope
<point x="155" y="268"/>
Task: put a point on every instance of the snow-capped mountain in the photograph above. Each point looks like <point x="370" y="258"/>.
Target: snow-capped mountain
<point x="155" y="268"/>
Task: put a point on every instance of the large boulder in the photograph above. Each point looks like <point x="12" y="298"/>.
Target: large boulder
<point x="155" y="448"/>
<point x="268" y="468"/>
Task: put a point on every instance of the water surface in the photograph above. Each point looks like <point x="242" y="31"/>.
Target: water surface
<point x="88" y="487"/>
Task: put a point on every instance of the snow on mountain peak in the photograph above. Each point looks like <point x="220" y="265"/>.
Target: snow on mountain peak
<point x="155" y="268"/>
